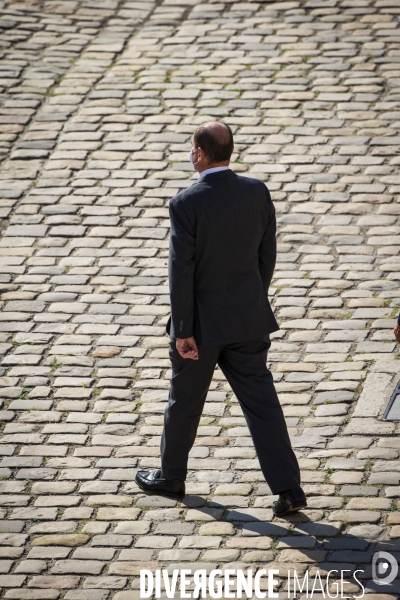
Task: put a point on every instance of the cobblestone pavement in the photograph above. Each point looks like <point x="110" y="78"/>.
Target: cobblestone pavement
<point x="98" y="100"/>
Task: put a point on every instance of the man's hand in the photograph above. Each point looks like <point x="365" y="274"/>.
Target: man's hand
<point x="397" y="333"/>
<point x="187" y="348"/>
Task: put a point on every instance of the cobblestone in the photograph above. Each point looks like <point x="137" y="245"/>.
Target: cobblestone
<point x="98" y="102"/>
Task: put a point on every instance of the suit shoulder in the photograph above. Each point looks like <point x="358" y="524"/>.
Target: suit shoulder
<point x="256" y="184"/>
<point x="184" y="195"/>
<point x="251" y="181"/>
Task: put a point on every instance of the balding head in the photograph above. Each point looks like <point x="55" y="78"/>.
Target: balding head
<point x="215" y="138"/>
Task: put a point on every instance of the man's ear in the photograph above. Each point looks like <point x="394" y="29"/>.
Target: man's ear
<point x="202" y="156"/>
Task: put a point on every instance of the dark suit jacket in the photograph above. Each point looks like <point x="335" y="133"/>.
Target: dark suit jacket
<point x="221" y="261"/>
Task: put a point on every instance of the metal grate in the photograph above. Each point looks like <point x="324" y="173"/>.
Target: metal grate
<point x="392" y="412"/>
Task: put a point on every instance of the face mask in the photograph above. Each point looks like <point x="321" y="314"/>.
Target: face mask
<point x="191" y="157"/>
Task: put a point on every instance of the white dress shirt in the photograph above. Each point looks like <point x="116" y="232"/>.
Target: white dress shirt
<point x="214" y="170"/>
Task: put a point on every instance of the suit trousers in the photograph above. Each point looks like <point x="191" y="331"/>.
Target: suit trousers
<point x="244" y="366"/>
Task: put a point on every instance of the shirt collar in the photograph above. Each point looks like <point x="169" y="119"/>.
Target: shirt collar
<point x="213" y="170"/>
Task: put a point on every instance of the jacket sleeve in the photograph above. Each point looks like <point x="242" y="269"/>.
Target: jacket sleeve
<point x="267" y="248"/>
<point x="181" y="271"/>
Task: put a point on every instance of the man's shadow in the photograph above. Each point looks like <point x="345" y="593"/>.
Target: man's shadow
<point x="323" y="543"/>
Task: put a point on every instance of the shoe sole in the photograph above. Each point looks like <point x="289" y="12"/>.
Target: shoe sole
<point x="161" y="493"/>
<point x="293" y="509"/>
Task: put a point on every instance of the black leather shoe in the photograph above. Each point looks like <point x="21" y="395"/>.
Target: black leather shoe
<point x="289" y="502"/>
<point x="151" y="482"/>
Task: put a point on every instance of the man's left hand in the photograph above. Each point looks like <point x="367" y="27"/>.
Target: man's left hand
<point x="187" y="348"/>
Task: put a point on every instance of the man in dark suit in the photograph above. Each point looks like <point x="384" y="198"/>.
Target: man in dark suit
<point x="222" y="258"/>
